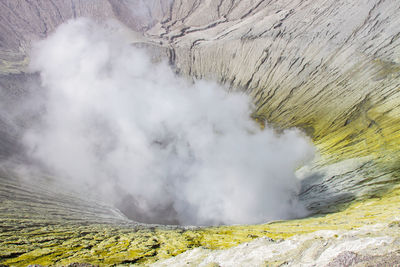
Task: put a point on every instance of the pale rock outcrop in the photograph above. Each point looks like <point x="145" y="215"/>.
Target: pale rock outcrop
<point x="364" y="247"/>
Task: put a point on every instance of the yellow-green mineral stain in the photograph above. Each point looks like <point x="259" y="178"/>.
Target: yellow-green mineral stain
<point x="106" y="244"/>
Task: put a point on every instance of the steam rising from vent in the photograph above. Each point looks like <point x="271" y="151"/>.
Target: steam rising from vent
<point x="160" y="148"/>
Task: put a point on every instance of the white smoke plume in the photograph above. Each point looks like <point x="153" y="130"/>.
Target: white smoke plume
<point x="161" y="148"/>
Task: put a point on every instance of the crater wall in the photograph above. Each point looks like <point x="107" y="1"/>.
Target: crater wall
<point x="331" y="68"/>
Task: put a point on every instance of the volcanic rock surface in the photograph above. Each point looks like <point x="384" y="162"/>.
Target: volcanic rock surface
<point x="331" y="68"/>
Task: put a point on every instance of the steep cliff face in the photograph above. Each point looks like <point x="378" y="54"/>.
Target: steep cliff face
<point x="331" y="68"/>
<point x="327" y="66"/>
<point x="25" y="21"/>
